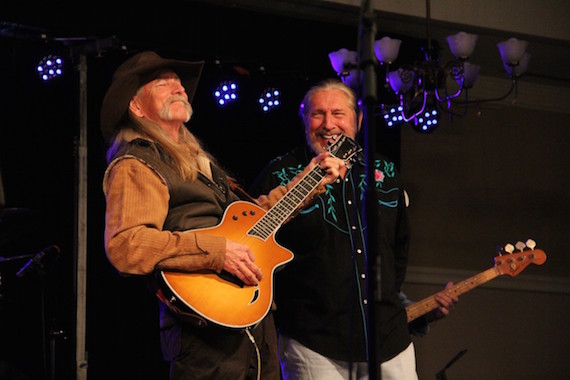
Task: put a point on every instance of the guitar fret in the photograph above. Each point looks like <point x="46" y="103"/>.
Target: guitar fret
<point x="307" y="189"/>
<point x="274" y="224"/>
<point x="296" y="196"/>
<point x="290" y="203"/>
<point x="270" y="223"/>
<point x="273" y="219"/>
<point x="300" y="192"/>
<point x="256" y="231"/>
<point x="280" y="211"/>
<point x="281" y="215"/>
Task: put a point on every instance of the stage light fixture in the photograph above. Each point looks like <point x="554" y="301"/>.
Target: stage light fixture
<point x="427" y="121"/>
<point x="226" y="92"/>
<point x="50" y="67"/>
<point x="269" y="99"/>
<point x="393" y="115"/>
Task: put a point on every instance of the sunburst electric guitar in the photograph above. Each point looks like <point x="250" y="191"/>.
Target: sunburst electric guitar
<point x="511" y="263"/>
<point x="223" y="299"/>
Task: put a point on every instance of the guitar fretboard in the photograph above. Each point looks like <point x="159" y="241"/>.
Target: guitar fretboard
<point x="428" y="304"/>
<point x="283" y="209"/>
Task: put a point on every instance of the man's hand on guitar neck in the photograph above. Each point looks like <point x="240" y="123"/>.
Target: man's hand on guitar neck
<point x="239" y="262"/>
<point x="446" y="300"/>
<point x="335" y="167"/>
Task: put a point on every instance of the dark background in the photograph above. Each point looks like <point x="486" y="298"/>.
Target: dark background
<point x="474" y="183"/>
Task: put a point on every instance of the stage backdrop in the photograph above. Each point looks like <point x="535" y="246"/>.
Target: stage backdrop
<point x="474" y="184"/>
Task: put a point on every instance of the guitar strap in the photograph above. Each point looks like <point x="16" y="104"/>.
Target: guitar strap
<point x="240" y="192"/>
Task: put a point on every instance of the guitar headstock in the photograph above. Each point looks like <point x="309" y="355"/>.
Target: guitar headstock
<point x="345" y="148"/>
<point x="512" y="263"/>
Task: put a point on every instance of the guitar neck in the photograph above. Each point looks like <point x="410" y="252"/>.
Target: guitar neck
<point x="428" y="304"/>
<point x="285" y="207"/>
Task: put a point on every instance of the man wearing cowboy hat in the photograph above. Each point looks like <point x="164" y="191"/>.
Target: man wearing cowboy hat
<point x="160" y="185"/>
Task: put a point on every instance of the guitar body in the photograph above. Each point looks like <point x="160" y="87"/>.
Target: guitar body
<point x="224" y="301"/>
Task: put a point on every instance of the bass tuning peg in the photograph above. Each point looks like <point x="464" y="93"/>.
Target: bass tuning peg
<point x="531" y="244"/>
<point x="520" y="245"/>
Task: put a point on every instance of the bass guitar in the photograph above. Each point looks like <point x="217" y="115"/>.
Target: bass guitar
<point x="511" y="263"/>
<point x="223" y="299"/>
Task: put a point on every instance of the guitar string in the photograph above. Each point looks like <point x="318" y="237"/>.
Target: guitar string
<point x="280" y="212"/>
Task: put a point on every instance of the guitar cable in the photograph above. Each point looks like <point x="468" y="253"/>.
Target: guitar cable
<point x="256" y="352"/>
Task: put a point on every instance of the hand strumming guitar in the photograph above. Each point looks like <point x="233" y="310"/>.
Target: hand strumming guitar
<point x="240" y="262"/>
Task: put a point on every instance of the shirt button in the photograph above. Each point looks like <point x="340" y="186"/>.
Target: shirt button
<point x="363" y="275"/>
<point x="349" y="202"/>
<point x="353" y="227"/>
<point x="365" y="301"/>
<point x="359" y="250"/>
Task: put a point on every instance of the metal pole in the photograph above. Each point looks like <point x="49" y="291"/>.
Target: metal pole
<point x="81" y="227"/>
<point x="369" y="99"/>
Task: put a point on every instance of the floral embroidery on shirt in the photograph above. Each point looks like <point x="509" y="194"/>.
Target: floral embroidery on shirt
<point x="287" y="174"/>
<point x="388" y="168"/>
<point x="378" y="176"/>
<point x="330" y="201"/>
<point x="382" y="169"/>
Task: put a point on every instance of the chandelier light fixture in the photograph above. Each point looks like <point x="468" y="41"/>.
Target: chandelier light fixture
<point x="423" y="89"/>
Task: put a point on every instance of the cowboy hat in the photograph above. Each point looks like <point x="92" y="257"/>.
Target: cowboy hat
<point x="132" y="75"/>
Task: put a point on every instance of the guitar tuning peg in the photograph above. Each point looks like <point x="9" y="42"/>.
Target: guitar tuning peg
<point x="531" y="244"/>
<point x="509" y="248"/>
<point x="520" y="245"/>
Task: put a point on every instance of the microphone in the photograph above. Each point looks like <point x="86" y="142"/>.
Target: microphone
<point x="37" y="262"/>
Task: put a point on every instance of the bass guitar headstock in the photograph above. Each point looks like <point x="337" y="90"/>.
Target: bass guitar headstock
<point x="513" y="259"/>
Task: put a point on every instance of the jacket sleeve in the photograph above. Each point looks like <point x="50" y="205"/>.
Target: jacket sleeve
<point x="135" y="242"/>
<point x="418" y="327"/>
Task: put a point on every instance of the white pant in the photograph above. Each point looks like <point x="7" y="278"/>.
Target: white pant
<point x="301" y="363"/>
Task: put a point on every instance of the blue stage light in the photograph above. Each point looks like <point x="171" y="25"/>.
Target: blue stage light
<point x="393" y="116"/>
<point x="427" y="121"/>
<point x="269" y="99"/>
<point x="50" y="67"/>
<point x="226" y="92"/>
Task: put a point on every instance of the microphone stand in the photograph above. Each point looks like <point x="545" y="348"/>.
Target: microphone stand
<point x="373" y="263"/>
<point x="441" y="375"/>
